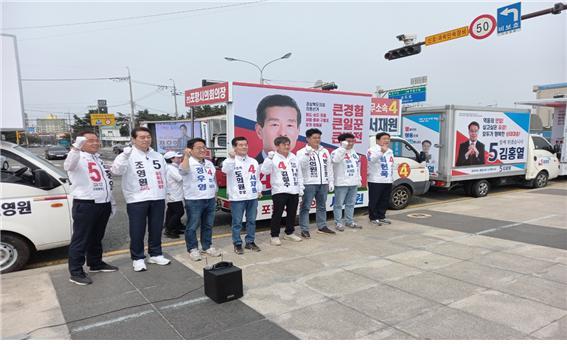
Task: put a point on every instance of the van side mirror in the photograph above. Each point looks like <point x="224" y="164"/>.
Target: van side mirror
<point x="556" y="148"/>
<point x="43" y="180"/>
<point x="422" y="157"/>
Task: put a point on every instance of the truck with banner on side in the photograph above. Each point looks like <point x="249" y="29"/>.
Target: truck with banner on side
<point x="479" y="147"/>
<point x="558" y="128"/>
<point x="332" y="112"/>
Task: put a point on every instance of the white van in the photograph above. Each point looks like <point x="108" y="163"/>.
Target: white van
<point x="35" y="207"/>
<point x="411" y="176"/>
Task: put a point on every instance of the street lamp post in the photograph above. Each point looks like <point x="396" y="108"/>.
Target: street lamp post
<point x="261" y="70"/>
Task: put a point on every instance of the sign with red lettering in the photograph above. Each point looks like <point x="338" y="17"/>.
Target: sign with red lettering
<point x="212" y="94"/>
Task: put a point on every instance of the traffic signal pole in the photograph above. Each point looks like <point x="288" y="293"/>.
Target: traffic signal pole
<point x="415" y="49"/>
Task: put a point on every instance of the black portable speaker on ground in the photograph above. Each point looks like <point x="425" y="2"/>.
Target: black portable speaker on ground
<point x="223" y="282"/>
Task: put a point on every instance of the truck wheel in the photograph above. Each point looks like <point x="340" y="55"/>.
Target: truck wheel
<point x="14" y="253"/>
<point x="540" y="180"/>
<point x="400" y="197"/>
<point x="480" y="188"/>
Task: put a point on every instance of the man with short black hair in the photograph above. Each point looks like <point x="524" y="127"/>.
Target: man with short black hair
<point x="91" y="188"/>
<point x="144" y="175"/>
<point x="287" y="187"/>
<point x="276" y="115"/>
<point x="182" y="141"/>
<point x="243" y="189"/>
<point x="346" y="169"/>
<point x="315" y="161"/>
<point x="471" y="152"/>
<point x="380" y="179"/>
<point x="200" y="189"/>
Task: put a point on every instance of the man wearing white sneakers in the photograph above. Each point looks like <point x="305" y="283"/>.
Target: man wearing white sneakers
<point x="380" y="178"/>
<point x="143" y="174"/>
<point x="315" y="161"/>
<point x="346" y="169"/>
<point x="243" y="188"/>
<point x="287" y="187"/>
<point x="200" y="189"/>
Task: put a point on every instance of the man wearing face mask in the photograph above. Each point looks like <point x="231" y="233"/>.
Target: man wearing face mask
<point x="144" y="175"/>
<point x="91" y="188"/>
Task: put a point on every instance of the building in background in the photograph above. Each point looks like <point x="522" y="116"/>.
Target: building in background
<point x="542" y="117"/>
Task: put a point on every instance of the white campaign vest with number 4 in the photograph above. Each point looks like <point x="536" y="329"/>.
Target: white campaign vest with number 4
<point x="199" y="181"/>
<point x="90" y="179"/>
<point x="243" y="178"/>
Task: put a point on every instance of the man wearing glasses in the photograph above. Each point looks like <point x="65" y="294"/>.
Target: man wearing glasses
<point x="200" y="189"/>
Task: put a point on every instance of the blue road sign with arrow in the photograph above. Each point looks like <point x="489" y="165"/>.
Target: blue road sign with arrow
<point x="509" y="18"/>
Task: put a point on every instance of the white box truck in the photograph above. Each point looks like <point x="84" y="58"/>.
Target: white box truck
<point x="479" y="147"/>
<point x="558" y="129"/>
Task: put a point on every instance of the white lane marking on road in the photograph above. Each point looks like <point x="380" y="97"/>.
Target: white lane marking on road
<point x="515" y="224"/>
<point x="185" y="303"/>
<point x="111" y="321"/>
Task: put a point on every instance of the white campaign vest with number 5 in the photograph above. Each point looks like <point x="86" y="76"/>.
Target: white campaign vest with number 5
<point x="144" y="179"/>
<point x="199" y="181"/>
<point x="90" y="179"/>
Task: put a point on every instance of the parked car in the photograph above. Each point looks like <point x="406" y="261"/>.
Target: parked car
<point x="4" y="163"/>
<point x="56" y="152"/>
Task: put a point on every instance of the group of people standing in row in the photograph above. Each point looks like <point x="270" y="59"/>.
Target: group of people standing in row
<point x="186" y="183"/>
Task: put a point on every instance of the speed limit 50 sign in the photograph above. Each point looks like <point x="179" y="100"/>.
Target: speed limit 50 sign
<point x="482" y="26"/>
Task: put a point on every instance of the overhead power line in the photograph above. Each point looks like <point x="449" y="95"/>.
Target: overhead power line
<point x="133" y="17"/>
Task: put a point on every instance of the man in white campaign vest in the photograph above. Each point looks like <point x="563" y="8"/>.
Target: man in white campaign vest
<point x="144" y="175"/>
<point x="200" y="190"/>
<point x="287" y="187"/>
<point x="346" y="169"/>
<point x="380" y="178"/>
<point x="243" y="188"/>
<point x="91" y="188"/>
<point x="317" y="171"/>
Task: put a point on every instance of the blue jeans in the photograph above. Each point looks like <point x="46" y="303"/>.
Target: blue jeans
<point x="237" y="208"/>
<point x="319" y="192"/>
<point x="200" y="211"/>
<point x="344" y="195"/>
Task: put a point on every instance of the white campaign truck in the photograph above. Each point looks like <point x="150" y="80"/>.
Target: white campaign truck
<point x="479" y="147"/>
<point x="558" y="129"/>
<point x="411" y="177"/>
<point x="35" y="207"/>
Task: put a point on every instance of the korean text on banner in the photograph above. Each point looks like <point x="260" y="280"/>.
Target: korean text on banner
<point x="491" y="138"/>
<point x="385" y="116"/>
<point x="212" y="94"/>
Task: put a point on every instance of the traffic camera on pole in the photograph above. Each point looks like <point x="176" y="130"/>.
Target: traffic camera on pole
<point x="410" y="48"/>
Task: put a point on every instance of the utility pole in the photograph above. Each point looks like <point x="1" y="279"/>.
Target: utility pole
<point x="175" y="98"/>
<point x="131" y="126"/>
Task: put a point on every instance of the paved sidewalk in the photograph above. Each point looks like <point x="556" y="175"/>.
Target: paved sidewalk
<point x="488" y="268"/>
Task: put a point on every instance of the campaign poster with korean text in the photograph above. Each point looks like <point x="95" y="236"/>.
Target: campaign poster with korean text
<point x="264" y="112"/>
<point x="173" y="136"/>
<point x="422" y="131"/>
<point x="385" y="116"/>
<point x="491" y="141"/>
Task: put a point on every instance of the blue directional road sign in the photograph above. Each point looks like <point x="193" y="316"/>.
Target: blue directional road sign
<point x="509" y="18"/>
<point x="409" y="95"/>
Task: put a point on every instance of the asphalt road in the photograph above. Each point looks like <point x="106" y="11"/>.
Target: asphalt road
<point x="117" y="238"/>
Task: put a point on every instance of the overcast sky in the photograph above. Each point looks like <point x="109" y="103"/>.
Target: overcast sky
<point x="342" y="42"/>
